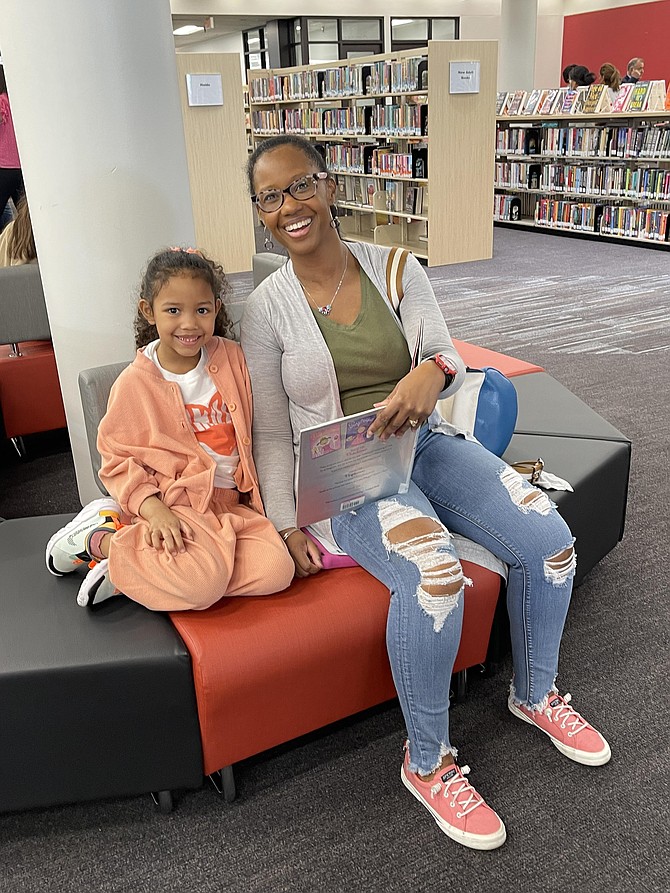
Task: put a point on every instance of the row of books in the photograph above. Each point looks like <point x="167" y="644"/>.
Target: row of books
<point x="506" y="207"/>
<point x="392" y="196"/>
<point x="644" y="96"/>
<point x="405" y="76"/>
<point x="399" y="120"/>
<point x="640" y="183"/>
<point x="602" y="141"/>
<point x="378" y="160"/>
<point x="649" y="224"/>
<point x="358" y="120"/>
<point x="637" y="223"/>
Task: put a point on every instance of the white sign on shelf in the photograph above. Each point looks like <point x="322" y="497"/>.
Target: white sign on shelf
<point x="464" y="77"/>
<point x="204" y="89"/>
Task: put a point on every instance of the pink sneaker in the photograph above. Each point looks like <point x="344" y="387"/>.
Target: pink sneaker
<point x="568" y="731"/>
<point x="456" y="806"/>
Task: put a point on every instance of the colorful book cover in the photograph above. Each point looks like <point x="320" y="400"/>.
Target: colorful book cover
<point x="568" y="100"/>
<point x="530" y="105"/>
<point x="517" y="102"/>
<point x="557" y="104"/>
<point x="667" y="98"/>
<point x="547" y="103"/>
<point x="620" y="102"/>
<point x="593" y="98"/>
<point x="638" y="97"/>
<point x="579" y="100"/>
<point x="501" y="99"/>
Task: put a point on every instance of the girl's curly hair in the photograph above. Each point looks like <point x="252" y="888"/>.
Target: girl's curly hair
<point x="180" y="262"/>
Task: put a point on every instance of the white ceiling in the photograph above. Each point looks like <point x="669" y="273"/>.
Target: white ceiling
<point x="223" y="24"/>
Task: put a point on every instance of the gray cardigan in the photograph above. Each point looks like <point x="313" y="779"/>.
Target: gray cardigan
<point x="292" y="373"/>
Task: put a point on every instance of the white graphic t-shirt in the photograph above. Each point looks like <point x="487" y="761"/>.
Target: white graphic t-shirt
<point x="210" y="419"/>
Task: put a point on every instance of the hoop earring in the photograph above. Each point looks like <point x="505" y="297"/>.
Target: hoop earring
<point x="269" y="244"/>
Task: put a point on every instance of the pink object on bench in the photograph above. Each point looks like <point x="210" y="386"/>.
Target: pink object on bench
<point x="477" y="357"/>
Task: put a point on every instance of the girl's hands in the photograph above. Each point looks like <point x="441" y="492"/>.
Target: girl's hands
<point x="164" y="529"/>
<point x="412" y="399"/>
<point x="305" y="554"/>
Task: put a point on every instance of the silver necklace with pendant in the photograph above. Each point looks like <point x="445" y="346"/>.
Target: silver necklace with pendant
<point x="325" y="310"/>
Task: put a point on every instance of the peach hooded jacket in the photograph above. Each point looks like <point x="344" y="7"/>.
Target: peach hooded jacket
<point x="148" y="447"/>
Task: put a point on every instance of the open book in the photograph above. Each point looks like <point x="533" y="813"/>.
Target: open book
<point x="341" y="468"/>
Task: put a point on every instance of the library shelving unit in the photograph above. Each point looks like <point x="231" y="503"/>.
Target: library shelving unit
<point x="413" y="161"/>
<point x="222" y="213"/>
<point x="600" y="176"/>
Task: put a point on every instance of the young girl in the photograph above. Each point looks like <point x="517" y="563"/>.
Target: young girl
<point x="185" y="524"/>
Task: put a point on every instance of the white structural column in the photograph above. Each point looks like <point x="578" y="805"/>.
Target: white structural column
<point x="95" y="102"/>
<point x="518" y="29"/>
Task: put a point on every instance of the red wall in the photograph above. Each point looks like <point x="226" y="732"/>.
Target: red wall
<point x="616" y="35"/>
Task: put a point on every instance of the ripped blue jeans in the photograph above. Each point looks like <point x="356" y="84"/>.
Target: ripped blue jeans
<point x="404" y="541"/>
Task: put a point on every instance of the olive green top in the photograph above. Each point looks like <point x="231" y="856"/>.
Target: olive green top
<point x="370" y="355"/>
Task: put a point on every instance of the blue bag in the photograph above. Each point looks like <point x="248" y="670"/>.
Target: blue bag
<point x="484" y="406"/>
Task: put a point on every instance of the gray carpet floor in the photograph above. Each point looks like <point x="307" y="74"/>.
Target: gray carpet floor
<point x="328" y="812"/>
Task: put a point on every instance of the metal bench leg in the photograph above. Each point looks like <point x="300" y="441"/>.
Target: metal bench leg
<point x="224" y="782"/>
<point x="163" y="800"/>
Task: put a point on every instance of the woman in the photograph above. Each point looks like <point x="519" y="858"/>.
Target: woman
<point x="610" y="76"/>
<point x="580" y="76"/>
<point x="11" y="178"/>
<point x="321" y="341"/>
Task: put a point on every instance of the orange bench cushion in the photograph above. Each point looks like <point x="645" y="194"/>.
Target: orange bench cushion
<point x="476" y="357"/>
<point x="30" y="395"/>
<point x="268" y="669"/>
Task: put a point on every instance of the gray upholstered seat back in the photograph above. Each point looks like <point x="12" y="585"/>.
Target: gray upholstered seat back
<point x="94" y="387"/>
<point x="23" y="313"/>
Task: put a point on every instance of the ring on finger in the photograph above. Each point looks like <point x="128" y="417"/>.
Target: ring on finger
<point x="413" y="423"/>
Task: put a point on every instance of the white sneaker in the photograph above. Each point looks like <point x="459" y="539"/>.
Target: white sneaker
<point x="96" y="586"/>
<point x="68" y="548"/>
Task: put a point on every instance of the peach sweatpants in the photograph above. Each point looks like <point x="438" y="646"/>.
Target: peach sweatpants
<point x="234" y="551"/>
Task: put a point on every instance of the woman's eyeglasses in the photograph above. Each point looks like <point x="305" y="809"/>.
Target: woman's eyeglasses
<point x="301" y="189"/>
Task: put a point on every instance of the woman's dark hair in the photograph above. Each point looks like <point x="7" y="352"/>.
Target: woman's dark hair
<point x="610" y="75"/>
<point x="566" y="72"/>
<point x="582" y="76"/>
<point x="180" y="262"/>
<point x="309" y="150"/>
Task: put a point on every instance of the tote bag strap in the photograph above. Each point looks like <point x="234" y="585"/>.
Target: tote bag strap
<point x="395" y="266"/>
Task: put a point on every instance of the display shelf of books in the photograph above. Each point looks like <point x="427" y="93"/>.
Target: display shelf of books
<point x="370" y="117"/>
<point x="586" y="161"/>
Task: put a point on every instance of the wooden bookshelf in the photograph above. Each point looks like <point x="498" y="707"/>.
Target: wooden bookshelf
<point x="432" y="190"/>
<point x="601" y="176"/>
<point x="217" y="153"/>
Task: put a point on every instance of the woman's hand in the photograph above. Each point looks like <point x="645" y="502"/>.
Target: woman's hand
<point x="164" y="529"/>
<point x="304" y="552"/>
<point x="412" y="399"/>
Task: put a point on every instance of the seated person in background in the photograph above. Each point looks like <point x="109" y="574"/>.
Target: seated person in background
<point x="610" y="76"/>
<point x="580" y="76"/>
<point x="17" y="245"/>
<point x="634" y="71"/>
<point x="566" y="72"/>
